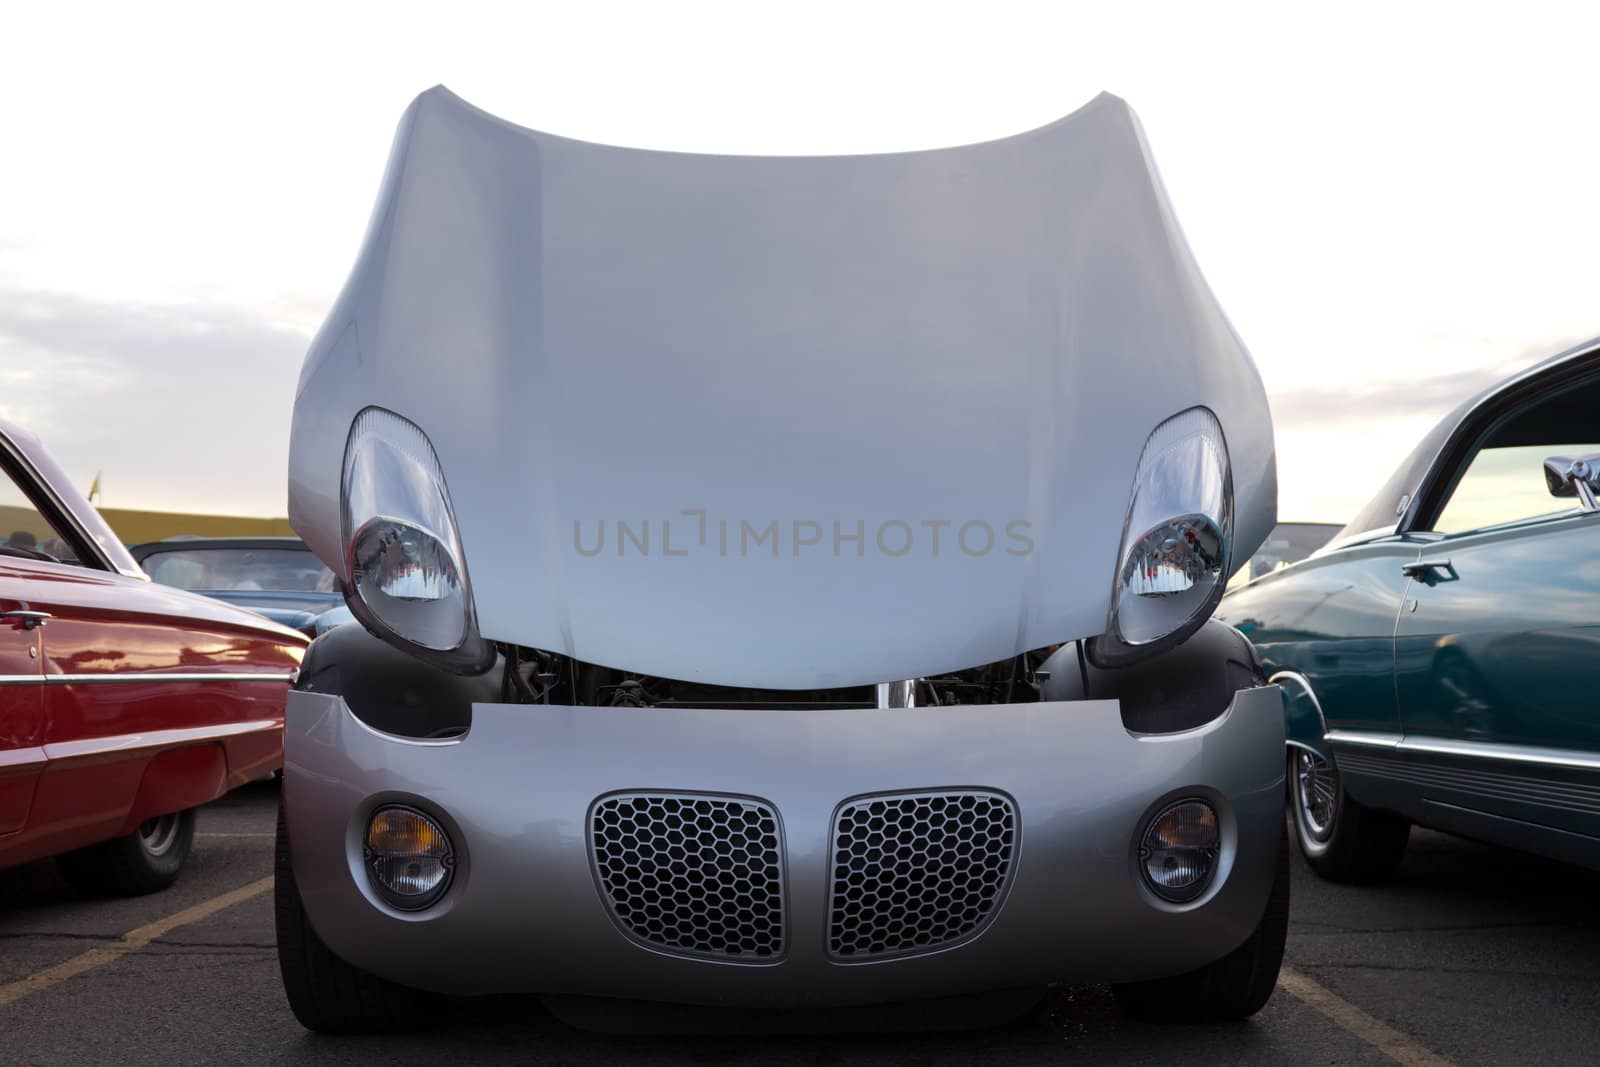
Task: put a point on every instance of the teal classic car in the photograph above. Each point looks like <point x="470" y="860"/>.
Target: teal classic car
<point x="1440" y="658"/>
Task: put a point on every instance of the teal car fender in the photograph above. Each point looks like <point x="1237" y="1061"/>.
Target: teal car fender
<point x="1303" y="723"/>
<point x="1324" y="629"/>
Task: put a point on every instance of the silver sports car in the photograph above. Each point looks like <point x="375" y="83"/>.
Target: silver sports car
<point x="785" y="585"/>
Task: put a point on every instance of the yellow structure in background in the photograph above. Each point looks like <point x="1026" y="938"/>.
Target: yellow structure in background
<point x="133" y="527"/>
<point x="136" y="526"/>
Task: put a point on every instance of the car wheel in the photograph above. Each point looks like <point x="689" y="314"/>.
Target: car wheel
<point x="325" y="993"/>
<point x="1234" y="987"/>
<point x="1342" y="839"/>
<point x="145" y="861"/>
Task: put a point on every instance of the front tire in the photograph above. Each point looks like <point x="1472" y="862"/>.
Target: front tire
<point x="325" y="993"/>
<point x="1342" y="839"/>
<point x="145" y="861"/>
<point x="1232" y="988"/>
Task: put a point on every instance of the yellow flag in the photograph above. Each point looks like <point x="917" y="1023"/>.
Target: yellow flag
<point x="94" y="487"/>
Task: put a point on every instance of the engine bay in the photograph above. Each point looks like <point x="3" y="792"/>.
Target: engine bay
<point x="533" y="676"/>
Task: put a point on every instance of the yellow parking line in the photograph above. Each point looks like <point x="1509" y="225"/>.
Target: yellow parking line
<point x="1380" y="1035"/>
<point x="132" y="941"/>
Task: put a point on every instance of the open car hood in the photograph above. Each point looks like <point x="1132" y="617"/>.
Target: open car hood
<point x="750" y="361"/>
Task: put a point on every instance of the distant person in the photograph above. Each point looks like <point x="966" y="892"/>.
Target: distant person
<point x="23" y="539"/>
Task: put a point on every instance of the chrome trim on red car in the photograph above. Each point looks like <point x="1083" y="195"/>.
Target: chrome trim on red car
<point x="94" y="746"/>
<point x="11" y="758"/>
<point x="145" y="676"/>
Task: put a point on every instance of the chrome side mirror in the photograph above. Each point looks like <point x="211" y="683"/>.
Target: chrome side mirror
<point x="1574" y="476"/>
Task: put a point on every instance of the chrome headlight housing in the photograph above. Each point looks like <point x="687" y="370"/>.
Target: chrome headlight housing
<point x="408" y="581"/>
<point x="1173" y="563"/>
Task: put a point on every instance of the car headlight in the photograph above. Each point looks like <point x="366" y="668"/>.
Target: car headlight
<point x="1178" y="852"/>
<point x="1173" y="563"/>
<point x="408" y="582"/>
<point x="408" y="856"/>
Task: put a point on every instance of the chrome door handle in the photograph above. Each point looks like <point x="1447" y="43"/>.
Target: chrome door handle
<point x="28" y="619"/>
<point x="1430" y="570"/>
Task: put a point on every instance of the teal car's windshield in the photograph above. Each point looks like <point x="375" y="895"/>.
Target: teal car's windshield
<point x="231" y="569"/>
<point x="1382" y="513"/>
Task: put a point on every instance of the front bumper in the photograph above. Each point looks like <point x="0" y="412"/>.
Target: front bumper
<point x="524" y="912"/>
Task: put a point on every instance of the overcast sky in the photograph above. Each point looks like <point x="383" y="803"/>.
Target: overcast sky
<point x="1394" y="204"/>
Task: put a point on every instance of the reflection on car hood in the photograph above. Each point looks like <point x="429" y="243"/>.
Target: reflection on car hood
<point x="277" y="599"/>
<point x="295" y="610"/>
<point x="791" y="422"/>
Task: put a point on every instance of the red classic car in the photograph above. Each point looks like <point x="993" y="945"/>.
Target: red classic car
<point x="123" y="704"/>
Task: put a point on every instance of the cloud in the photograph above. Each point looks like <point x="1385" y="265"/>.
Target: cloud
<point x="185" y="405"/>
<point x="1338" y="442"/>
<point x="182" y="405"/>
<point x="1347" y="405"/>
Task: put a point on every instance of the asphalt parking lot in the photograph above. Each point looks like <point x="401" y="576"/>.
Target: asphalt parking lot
<point x="1474" y="955"/>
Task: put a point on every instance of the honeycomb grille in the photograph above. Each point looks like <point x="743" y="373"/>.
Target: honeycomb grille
<point x="914" y="871"/>
<point x="694" y="875"/>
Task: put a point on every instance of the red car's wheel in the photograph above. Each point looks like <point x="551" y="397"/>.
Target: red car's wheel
<point x="145" y="861"/>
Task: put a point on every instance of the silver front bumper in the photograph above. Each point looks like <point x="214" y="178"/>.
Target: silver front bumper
<point x="524" y="913"/>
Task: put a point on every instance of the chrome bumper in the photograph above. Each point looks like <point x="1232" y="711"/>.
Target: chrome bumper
<point x="524" y="913"/>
